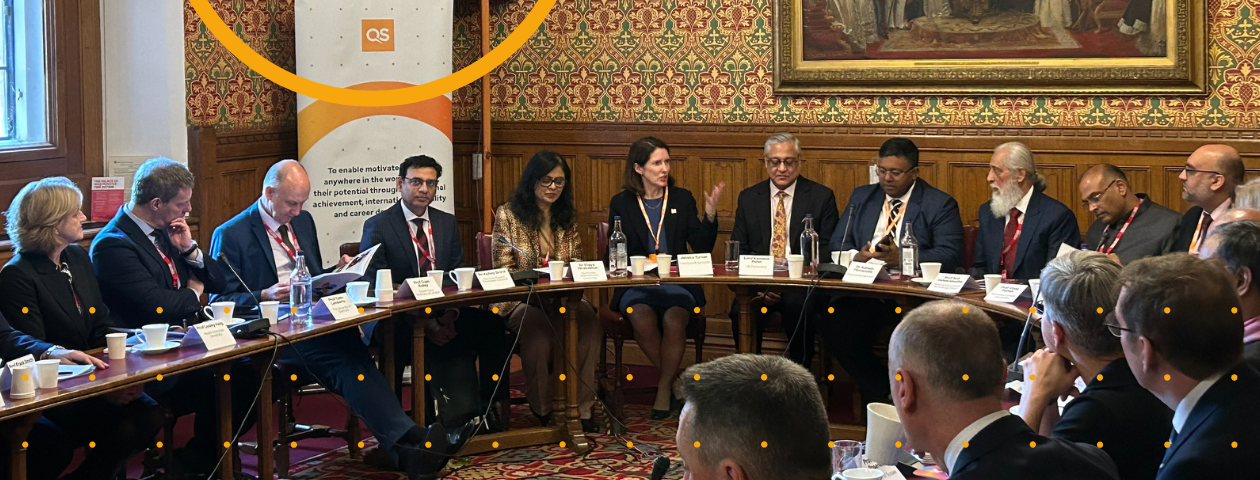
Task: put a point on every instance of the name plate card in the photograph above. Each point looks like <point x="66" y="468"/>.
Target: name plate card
<point x="1064" y="249"/>
<point x="6" y="375"/>
<point x="339" y="306"/>
<point x="1005" y="293"/>
<point x="695" y="265"/>
<point x="497" y="279"/>
<point x="756" y="266"/>
<point x="215" y="334"/>
<point x="865" y="273"/>
<point x="589" y="271"/>
<point x="422" y="288"/>
<point x="950" y="283"/>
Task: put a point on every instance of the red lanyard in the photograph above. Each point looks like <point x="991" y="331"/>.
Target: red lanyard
<point x="280" y="241"/>
<point x="660" y="225"/>
<point x="1014" y="240"/>
<point x="1122" y="229"/>
<point x="170" y="265"/>
<point x="424" y="249"/>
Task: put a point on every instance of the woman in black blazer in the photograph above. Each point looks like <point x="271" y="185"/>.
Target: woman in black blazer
<point x="51" y="294"/>
<point x="659" y="314"/>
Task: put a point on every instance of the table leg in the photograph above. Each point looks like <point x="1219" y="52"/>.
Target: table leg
<point x="577" y="438"/>
<point x="265" y="428"/>
<point x="747" y="337"/>
<point x="388" y="369"/>
<point x="417" y="371"/>
<point x="223" y="390"/>
<point x="15" y="432"/>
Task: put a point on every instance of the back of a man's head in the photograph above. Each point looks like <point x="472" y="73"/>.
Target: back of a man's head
<point x="1080" y="291"/>
<point x="741" y="401"/>
<point x="952" y="347"/>
<point x="1187" y="309"/>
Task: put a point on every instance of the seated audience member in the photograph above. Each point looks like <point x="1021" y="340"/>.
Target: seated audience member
<point x="50" y="294"/>
<point x="947" y="372"/>
<point x="1237" y="245"/>
<point x="1247" y="195"/>
<point x="337" y="360"/>
<point x="1130" y="225"/>
<point x="659" y="218"/>
<point x="730" y="410"/>
<point x="1181" y="329"/>
<point x="1207" y="182"/>
<point x="1079" y="291"/>
<point x="541" y="221"/>
<point x="1021" y="228"/>
<point x="873" y="223"/>
<point x="769" y="221"/>
<point x="413" y="238"/>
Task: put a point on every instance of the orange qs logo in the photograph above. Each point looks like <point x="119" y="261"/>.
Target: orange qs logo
<point x="373" y="98"/>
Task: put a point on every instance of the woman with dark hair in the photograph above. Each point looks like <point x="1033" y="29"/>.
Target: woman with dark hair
<point x="657" y="217"/>
<point x="541" y="221"/>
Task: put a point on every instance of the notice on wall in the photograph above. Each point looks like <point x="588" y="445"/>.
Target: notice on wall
<point x="107" y="197"/>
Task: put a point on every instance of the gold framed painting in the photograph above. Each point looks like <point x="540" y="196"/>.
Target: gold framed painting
<point x="989" y="46"/>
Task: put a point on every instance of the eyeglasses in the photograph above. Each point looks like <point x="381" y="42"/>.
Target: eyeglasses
<point x="1114" y="326"/>
<point x="558" y="182"/>
<point x="1097" y="197"/>
<point x="882" y="172"/>
<point x="788" y="162"/>
<point x="1191" y="171"/>
<point x="416" y="182"/>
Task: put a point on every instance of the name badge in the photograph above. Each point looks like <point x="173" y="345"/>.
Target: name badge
<point x="215" y="334"/>
<point x="950" y="283"/>
<point x="1005" y="293"/>
<point x="756" y="266"/>
<point x="339" y="306"/>
<point x="497" y="279"/>
<point x="589" y="271"/>
<point x="695" y="265"/>
<point x="422" y="288"/>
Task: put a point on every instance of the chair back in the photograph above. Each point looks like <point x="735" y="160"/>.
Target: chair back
<point x="485" y="251"/>
<point x="601" y="241"/>
<point x="349" y="248"/>
<point x="969" y="246"/>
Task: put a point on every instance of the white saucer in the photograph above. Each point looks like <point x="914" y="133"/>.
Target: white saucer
<point x="921" y="281"/>
<point x="19" y="397"/>
<point x="234" y="321"/>
<point x="367" y="302"/>
<point x="168" y="346"/>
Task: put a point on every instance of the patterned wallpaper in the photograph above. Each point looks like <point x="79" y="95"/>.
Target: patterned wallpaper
<point x="697" y="61"/>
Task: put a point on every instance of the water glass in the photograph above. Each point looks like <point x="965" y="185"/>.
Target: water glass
<point x="732" y="256"/>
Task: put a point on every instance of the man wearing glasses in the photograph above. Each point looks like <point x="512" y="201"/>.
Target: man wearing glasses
<point x="1130" y="225"/>
<point x="874" y="223"/>
<point x="1207" y="182"/>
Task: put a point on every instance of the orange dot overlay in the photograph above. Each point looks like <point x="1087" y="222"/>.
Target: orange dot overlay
<point x="764" y="377"/>
<point x="898" y="444"/>
<point x="562" y="444"/>
<point x="428" y="444"/>
<point x="360" y="444"/>
<point x="1233" y="444"/>
<point x="91" y="309"/>
<point x="495" y="377"/>
<point x="27" y="445"/>
<point x="293" y="378"/>
<point x="1233" y="310"/>
<point x="159" y="444"/>
<point x="1100" y="444"/>
<point x="697" y="444"/>
<point x="764" y="444"/>
<point x="629" y="309"/>
<point x="562" y="377"/>
<point x="495" y="310"/>
<point x="1234" y="377"/>
<point x="966" y="377"/>
<point x="428" y="309"/>
<point x="1032" y="444"/>
<point x="898" y="309"/>
<point x="1099" y="377"/>
<point x="227" y="377"/>
<point x="829" y="444"/>
<point x="831" y="309"/>
<point x="27" y="310"/>
<point x="1167" y="310"/>
<point x="696" y="310"/>
<point x="764" y="310"/>
<point x="1167" y="444"/>
<point x="360" y="377"/>
<point x="1032" y="377"/>
<point x="159" y="310"/>
<point x="360" y="309"/>
<point x="965" y="309"/>
<point x="629" y="377"/>
<point x="1100" y="310"/>
<point x="428" y="377"/>
<point x="966" y="444"/>
<point x="91" y="444"/>
<point x="92" y="377"/>
<point x="159" y="377"/>
<point x="898" y="377"/>
<point x="292" y="444"/>
<point x="561" y="309"/>
<point x="1167" y="377"/>
<point x="494" y="445"/>
<point x="629" y="444"/>
<point x="697" y="377"/>
<point x="226" y="444"/>
<point x="831" y="378"/>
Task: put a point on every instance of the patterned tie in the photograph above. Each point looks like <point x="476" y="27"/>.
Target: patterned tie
<point x="778" y="235"/>
<point x="422" y="247"/>
<point x="894" y="217"/>
<point x="1008" y="236"/>
<point x="284" y="237"/>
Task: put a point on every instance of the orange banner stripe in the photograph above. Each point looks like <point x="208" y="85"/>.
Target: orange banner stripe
<point x="319" y="119"/>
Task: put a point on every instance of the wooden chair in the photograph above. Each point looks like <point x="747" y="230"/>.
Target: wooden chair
<point x="618" y="328"/>
<point x="969" y="246"/>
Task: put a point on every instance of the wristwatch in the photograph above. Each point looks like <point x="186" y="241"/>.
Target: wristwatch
<point x="190" y="250"/>
<point x="49" y="353"/>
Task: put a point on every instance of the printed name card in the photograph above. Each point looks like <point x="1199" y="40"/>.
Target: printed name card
<point x="497" y="279"/>
<point x="215" y="334"/>
<point x="1064" y="249"/>
<point x="1005" y="293"/>
<point x="695" y="265"/>
<point x="339" y="306"/>
<point x="865" y="273"/>
<point x="950" y="283"/>
<point x="422" y="288"/>
<point x="6" y="375"/>
<point x="756" y="265"/>
<point x="589" y="271"/>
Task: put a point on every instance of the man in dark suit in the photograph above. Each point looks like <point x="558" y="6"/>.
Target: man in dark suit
<point x="1238" y="247"/>
<point x="1146" y="228"/>
<point x="1207" y="181"/>
<point x="1021" y="228"/>
<point x="1114" y="412"/>
<point x="875" y="222"/>
<point x="413" y="239"/>
<point x="264" y="242"/>
<point x="947" y="374"/>
<point x="1179" y="321"/>
<point x="769" y="221"/>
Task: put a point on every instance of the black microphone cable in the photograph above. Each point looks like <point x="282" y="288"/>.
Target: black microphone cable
<point x="275" y="349"/>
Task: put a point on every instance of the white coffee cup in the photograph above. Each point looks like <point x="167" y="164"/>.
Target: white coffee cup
<point x="883" y="431"/>
<point x="46" y="373"/>
<point x="117" y="345"/>
<point x="23" y="381"/>
<point x="1034" y="284"/>
<point x="662" y="264"/>
<point x="835" y="257"/>
<point x="796" y="266"/>
<point x="357" y="291"/>
<point x="557" y="270"/>
<point x="636" y="264"/>
<point x="846" y="257"/>
<point x="438" y="276"/>
<point x="463" y="278"/>
<point x="861" y="474"/>
<point x="384" y="280"/>
<point x="930" y="270"/>
<point x="991" y="282"/>
<point x="154" y="335"/>
<point x="270" y="310"/>
<point x="219" y="310"/>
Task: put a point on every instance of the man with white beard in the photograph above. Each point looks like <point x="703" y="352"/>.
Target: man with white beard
<point x="1021" y="228"/>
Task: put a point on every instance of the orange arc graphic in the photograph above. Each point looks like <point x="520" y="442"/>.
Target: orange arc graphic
<point x="320" y="118"/>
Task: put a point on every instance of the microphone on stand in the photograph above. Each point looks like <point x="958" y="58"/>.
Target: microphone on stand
<point x="524" y="277"/>
<point x="223" y="258"/>
<point x="829" y="270"/>
<point x="1015" y="368"/>
<point x="660" y="467"/>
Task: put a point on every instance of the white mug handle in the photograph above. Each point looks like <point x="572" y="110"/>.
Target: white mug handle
<point x="208" y="311"/>
<point x="454" y="278"/>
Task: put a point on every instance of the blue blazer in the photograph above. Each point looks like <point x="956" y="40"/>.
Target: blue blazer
<point x="397" y="253"/>
<point x="934" y="214"/>
<point x="135" y="281"/>
<point x="245" y="243"/>
<point x="14" y="344"/>
<point x="1001" y="451"/>
<point x="1047" y="224"/>
<point x="1226" y="413"/>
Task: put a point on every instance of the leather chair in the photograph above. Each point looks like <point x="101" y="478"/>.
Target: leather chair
<point x="969" y="246"/>
<point x="618" y="328"/>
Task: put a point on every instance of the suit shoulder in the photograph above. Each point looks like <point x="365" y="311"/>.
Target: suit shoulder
<point x="438" y="215"/>
<point x="823" y="190"/>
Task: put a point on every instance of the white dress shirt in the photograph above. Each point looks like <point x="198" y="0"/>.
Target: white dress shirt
<point x="195" y="258"/>
<point x="411" y="225"/>
<point x="1187" y="404"/>
<point x="955" y="447"/>
<point x="1022" y="206"/>
<point x="882" y="223"/>
<point x="284" y="263"/>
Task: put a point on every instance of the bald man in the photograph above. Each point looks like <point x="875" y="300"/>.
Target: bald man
<point x="1207" y="181"/>
<point x="262" y="243"/>
<point x="1129" y="225"/>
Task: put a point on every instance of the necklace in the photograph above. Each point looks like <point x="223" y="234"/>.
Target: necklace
<point x="648" y="204"/>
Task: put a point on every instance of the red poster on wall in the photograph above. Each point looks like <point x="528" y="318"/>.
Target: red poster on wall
<point x="107" y="197"/>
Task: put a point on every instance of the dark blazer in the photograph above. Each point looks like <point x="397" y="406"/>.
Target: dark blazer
<point x="1153" y="232"/>
<point x="135" y="281"/>
<point x="934" y="214"/>
<point x="1047" y="224"/>
<point x="33" y="281"/>
<point x="1185" y="233"/>
<point x="398" y="253"/>
<point x="244" y="241"/>
<point x="753" y="220"/>
<point x="14" y="344"/>
<point x="1128" y="419"/>
<point x="682" y="228"/>
<point x="1003" y="450"/>
<point x="1226" y="413"/>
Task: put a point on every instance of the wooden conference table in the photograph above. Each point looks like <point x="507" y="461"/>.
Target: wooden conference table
<point x="18" y="416"/>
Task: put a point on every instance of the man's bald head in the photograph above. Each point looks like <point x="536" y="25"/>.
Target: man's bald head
<point x="285" y="189"/>
<point x="1226" y="159"/>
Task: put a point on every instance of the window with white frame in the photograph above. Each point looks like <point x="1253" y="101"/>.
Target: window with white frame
<point x="23" y="75"/>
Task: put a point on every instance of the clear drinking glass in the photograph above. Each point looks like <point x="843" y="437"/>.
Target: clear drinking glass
<point x="732" y="256"/>
<point x="844" y="455"/>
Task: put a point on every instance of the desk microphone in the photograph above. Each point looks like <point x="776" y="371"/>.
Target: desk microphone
<point x="254" y="328"/>
<point x="1016" y="369"/>
<point x="832" y="270"/>
<point x="223" y="258"/>
<point x="524" y="277"/>
<point x="659" y="467"/>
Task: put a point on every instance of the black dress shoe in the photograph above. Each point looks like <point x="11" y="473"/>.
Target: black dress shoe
<point x="421" y="462"/>
<point x="380" y="459"/>
<point x="456" y="439"/>
<point x="494" y="420"/>
<point x="590" y="426"/>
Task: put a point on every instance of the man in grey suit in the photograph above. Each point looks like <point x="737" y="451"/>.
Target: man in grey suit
<point x="1130" y="225"/>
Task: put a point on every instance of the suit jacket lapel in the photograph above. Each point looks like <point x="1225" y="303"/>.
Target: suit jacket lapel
<point x="402" y="234"/>
<point x="304" y="234"/>
<point x="1032" y="219"/>
<point x="995" y="232"/>
<point x="260" y="235"/>
<point x="796" y="218"/>
<point x="914" y="205"/>
<point x="761" y="219"/>
<point x="144" y="242"/>
<point x="673" y="229"/>
<point x="868" y="217"/>
<point x="57" y="283"/>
